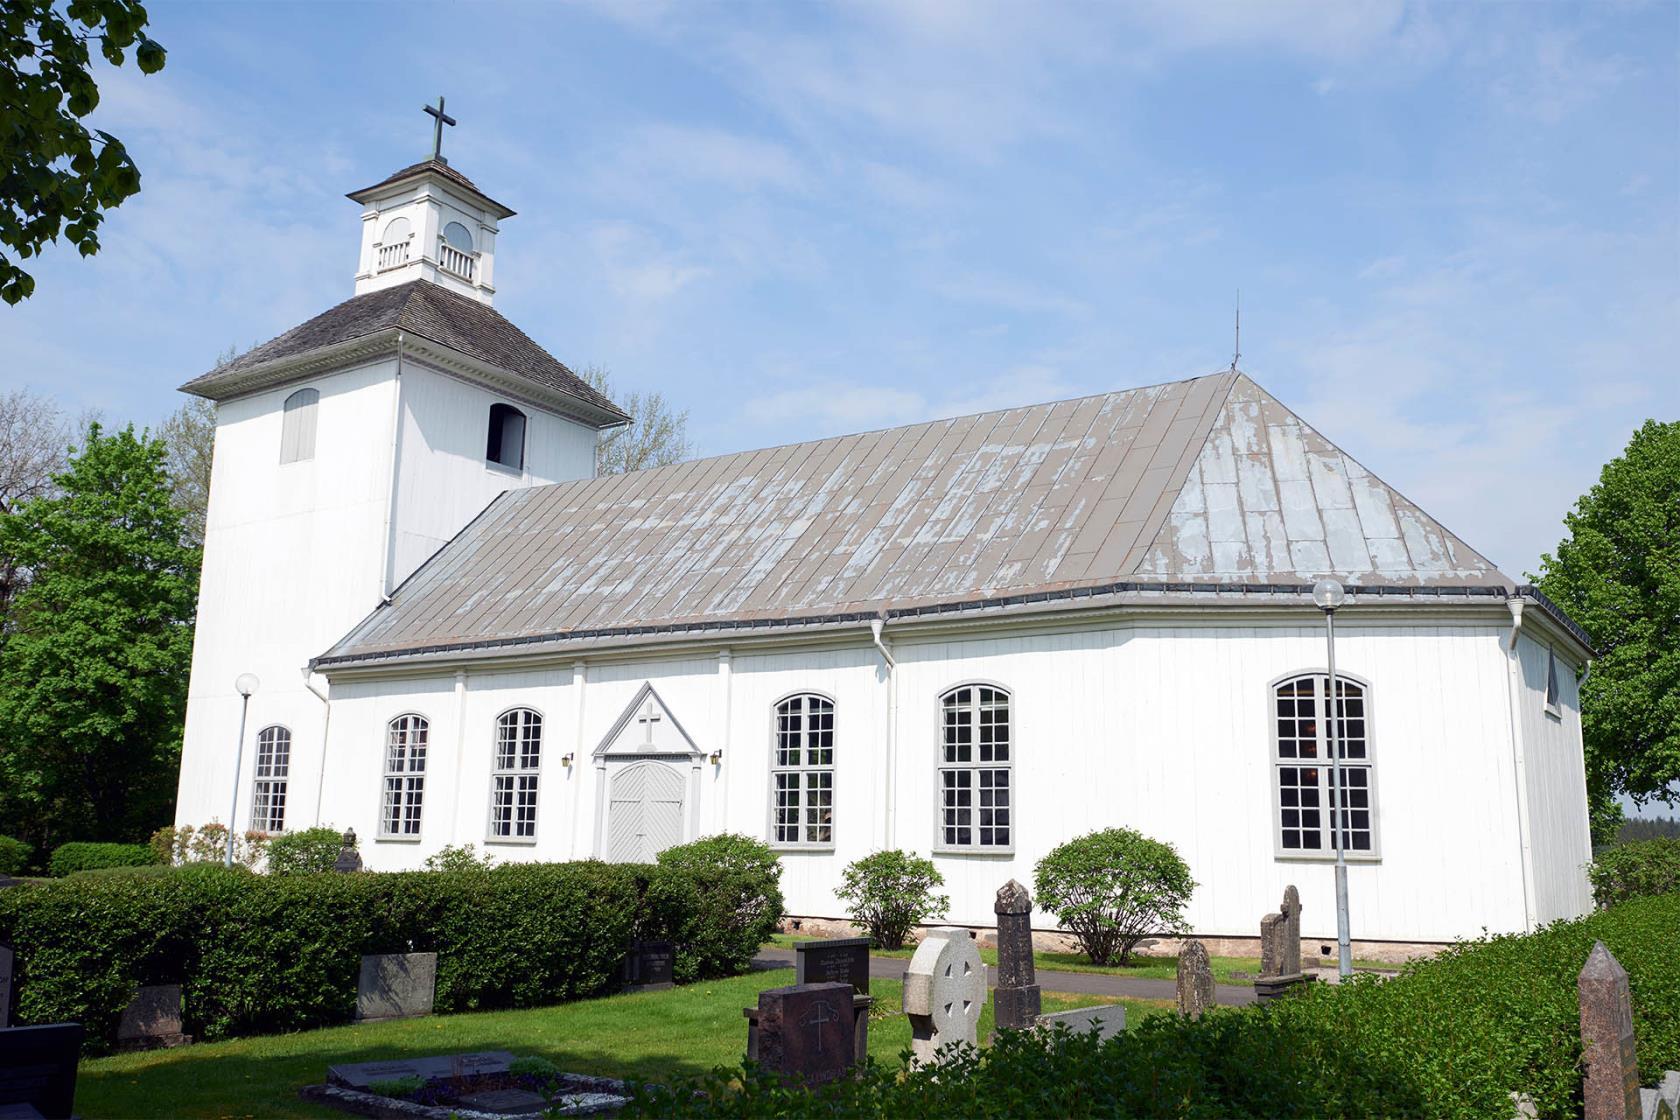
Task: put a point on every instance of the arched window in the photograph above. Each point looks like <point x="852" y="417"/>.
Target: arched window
<point x="513" y="784"/>
<point x="405" y="775"/>
<point x="268" y="791"/>
<point x="397" y="229"/>
<point x="802" y="772"/>
<point x="1304" y="780"/>
<point x="976" y="768"/>
<point x="506" y="442"/>
<point x="458" y="236"/>
<point x="297" y="426"/>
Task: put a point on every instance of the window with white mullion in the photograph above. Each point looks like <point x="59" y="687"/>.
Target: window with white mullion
<point x="802" y="772"/>
<point x="513" y="783"/>
<point x="976" y="768"/>
<point x="405" y="776"/>
<point x="268" y="786"/>
<point x="1304" y="777"/>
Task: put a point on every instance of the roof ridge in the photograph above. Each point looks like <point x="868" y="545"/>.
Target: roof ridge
<point x="1209" y="419"/>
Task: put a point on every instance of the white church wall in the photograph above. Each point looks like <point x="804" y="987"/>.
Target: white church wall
<point x="292" y="557"/>
<point x="1560" y="835"/>
<point x="1161" y="728"/>
<point x="444" y="479"/>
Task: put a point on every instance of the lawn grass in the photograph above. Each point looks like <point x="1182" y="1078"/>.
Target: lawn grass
<point x="1141" y="967"/>
<point x="650" y="1035"/>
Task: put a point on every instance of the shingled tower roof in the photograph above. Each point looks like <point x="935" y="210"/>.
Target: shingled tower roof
<point x="1196" y="484"/>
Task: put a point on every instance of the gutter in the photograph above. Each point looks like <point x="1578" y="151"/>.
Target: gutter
<point x="877" y="632"/>
<point x="1519" y="767"/>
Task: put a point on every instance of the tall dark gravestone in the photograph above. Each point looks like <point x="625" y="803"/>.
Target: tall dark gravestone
<point x="1610" y="1090"/>
<point x="8" y="985"/>
<point x="648" y="965"/>
<point x="1195" y="979"/>
<point x="840" y="960"/>
<point x="38" y="1069"/>
<point x="1280" y="948"/>
<point x="1017" y="1001"/>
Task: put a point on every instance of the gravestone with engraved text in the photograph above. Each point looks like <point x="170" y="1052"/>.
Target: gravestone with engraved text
<point x="396" y="985"/>
<point x="1017" y="1001"/>
<point x="805" y="1032"/>
<point x="38" y="1068"/>
<point x="839" y="960"/>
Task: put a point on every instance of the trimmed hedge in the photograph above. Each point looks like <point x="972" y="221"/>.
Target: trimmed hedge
<point x="14" y="855"/>
<point x="718" y="900"/>
<point x="1450" y="1037"/>
<point x="1643" y="867"/>
<point x="309" y="849"/>
<point x="265" y="953"/>
<point x="82" y="855"/>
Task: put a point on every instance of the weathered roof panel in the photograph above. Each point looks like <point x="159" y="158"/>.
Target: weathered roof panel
<point x="1208" y="482"/>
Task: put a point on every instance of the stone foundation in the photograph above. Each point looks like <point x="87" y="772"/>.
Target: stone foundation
<point x="1314" y="951"/>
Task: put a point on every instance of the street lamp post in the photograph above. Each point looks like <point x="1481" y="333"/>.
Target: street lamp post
<point x="1328" y="595"/>
<point x="245" y="685"/>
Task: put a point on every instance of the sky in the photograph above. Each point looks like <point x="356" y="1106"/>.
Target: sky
<point x="1453" y="227"/>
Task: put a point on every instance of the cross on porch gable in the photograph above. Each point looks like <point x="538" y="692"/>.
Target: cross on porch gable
<point x="650" y="716"/>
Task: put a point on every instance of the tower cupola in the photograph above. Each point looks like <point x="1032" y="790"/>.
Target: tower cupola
<point x="429" y="222"/>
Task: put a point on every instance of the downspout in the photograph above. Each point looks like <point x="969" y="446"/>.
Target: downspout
<point x="460" y="752"/>
<point x="889" y="800"/>
<point x="720" y="776"/>
<point x="326" y="726"/>
<point x="1519" y="768"/>
<point x="388" y="561"/>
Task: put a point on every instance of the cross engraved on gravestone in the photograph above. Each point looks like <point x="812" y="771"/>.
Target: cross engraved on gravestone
<point x="839" y="960"/>
<point x="38" y="1068"/>
<point x="805" y="1031"/>
<point x="1610" y="1089"/>
<point x="1017" y="1002"/>
<point x="944" y="992"/>
<point x="1195" y="979"/>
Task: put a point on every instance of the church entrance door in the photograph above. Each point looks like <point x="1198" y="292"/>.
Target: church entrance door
<point x="644" y="812"/>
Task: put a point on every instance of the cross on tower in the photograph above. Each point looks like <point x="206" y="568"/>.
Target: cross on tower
<point x="437" y="128"/>
<point x="649" y="717"/>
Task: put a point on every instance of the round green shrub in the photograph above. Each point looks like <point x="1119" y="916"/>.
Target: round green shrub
<point x="1112" y="889"/>
<point x="1643" y="867"/>
<point x="81" y="855"/>
<point x="14" y="855"/>
<point x="890" y="893"/>
<point x="718" y="899"/>
<point x="303" y="852"/>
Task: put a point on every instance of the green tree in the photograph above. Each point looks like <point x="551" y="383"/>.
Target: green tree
<point x="55" y="176"/>
<point x="93" y="669"/>
<point x="657" y="437"/>
<point x="1618" y="575"/>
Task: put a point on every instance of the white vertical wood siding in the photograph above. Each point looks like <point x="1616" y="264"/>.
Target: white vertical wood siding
<point x="1559" y="833"/>
<point x="292" y="556"/>
<point x="445" y="480"/>
<point x="1164" y="729"/>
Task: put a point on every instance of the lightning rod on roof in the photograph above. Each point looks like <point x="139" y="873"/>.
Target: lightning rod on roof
<point x="1236" y="350"/>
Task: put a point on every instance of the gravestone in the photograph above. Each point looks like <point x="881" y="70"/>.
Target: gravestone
<point x="349" y="859"/>
<point x="1108" y="1020"/>
<point x="840" y="960"/>
<point x="396" y="985"/>
<point x="1280" y="948"/>
<point x="804" y="1032"/>
<point x="648" y="965"/>
<point x="1195" y="979"/>
<point x="361" y="1075"/>
<point x="8" y="984"/>
<point x="1017" y="1002"/>
<point x="38" y="1069"/>
<point x="1663" y="1102"/>
<point x="944" y="992"/>
<point x="1610" y="1089"/>
<point x="152" y="1019"/>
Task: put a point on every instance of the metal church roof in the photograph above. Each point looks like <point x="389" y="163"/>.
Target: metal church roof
<point x="1209" y="482"/>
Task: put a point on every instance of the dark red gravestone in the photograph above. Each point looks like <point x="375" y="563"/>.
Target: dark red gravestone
<point x="805" y="1031"/>
<point x="1610" y="1090"/>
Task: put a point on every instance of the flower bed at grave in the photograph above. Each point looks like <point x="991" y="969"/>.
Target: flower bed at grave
<point x="262" y="954"/>
<point x="1450" y="1037"/>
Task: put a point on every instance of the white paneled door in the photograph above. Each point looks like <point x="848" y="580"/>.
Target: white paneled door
<point x="644" y="812"/>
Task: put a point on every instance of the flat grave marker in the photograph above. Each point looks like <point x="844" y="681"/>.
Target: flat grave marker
<point x="1108" y="1020"/>
<point x="360" y="1075"/>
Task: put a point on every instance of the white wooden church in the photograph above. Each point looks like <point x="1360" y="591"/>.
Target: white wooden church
<point x="974" y="638"/>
